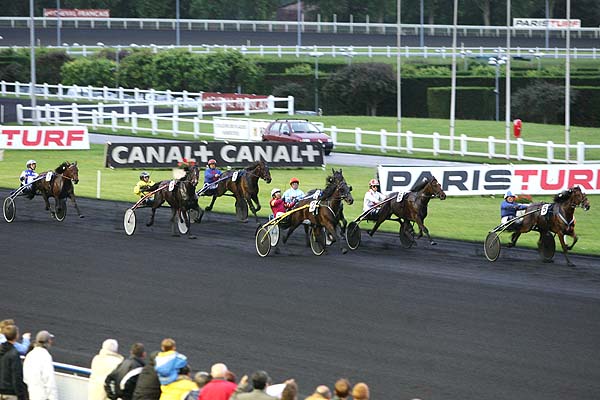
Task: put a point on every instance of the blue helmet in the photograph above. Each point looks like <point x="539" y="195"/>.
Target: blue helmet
<point x="508" y="194"/>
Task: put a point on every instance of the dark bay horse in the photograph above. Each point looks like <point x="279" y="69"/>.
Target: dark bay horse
<point x="59" y="186"/>
<point x="180" y="194"/>
<point x="556" y="217"/>
<point x="413" y="206"/>
<point x="336" y="202"/>
<point x="244" y="188"/>
<point x="324" y="215"/>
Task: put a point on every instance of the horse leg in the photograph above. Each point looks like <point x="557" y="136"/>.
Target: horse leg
<point x="175" y="213"/>
<point x="291" y="229"/>
<point x="212" y="203"/>
<point x="423" y="229"/>
<point x="256" y="202"/>
<point x="241" y="209"/>
<point x="72" y="197"/>
<point x="565" y="250"/>
<point x="575" y="239"/>
<point x="252" y="208"/>
<point x="514" y="238"/>
<point x="151" y="222"/>
<point x="331" y="227"/>
<point x="380" y="219"/>
<point x="46" y="202"/>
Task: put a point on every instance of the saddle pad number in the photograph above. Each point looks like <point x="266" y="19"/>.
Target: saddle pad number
<point x="48" y="176"/>
<point x="313" y="207"/>
<point x="234" y="176"/>
<point x="171" y="186"/>
<point x="544" y="209"/>
<point x="399" y="197"/>
<point x="316" y="195"/>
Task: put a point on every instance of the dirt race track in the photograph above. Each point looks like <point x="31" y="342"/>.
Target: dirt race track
<point x="432" y="322"/>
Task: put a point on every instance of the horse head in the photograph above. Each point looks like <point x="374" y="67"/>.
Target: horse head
<point x="340" y="185"/>
<point x="430" y="187"/>
<point x="578" y="198"/>
<point x="262" y="171"/>
<point x="70" y="171"/>
<point x="192" y="174"/>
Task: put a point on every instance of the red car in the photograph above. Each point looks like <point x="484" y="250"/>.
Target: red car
<point x="297" y="130"/>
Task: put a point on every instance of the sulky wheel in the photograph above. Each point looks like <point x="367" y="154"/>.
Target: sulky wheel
<point x="353" y="235"/>
<point x="9" y="209"/>
<point x="129" y="222"/>
<point x="491" y="246"/>
<point x="317" y="240"/>
<point x="547" y="246"/>
<point x="263" y="241"/>
<point x="61" y="213"/>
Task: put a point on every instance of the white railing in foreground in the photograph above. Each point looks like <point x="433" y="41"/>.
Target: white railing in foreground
<point x="121" y="118"/>
<point x="153" y="97"/>
<point x="318" y="26"/>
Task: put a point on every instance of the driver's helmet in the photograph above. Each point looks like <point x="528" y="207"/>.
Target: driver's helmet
<point x="275" y="190"/>
<point x="211" y="161"/>
<point x="144" y="174"/>
<point x="294" y="180"/>
<point x="373" y="182"/>
<point x="29" y="162"/>
<point x="508" y="194"/>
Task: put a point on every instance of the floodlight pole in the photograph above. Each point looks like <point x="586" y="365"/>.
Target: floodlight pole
<point x="507" y="118"/>
<point x="32" y="84"/>
<point x="568" y="84"/>
<point x="453" y="89"/>
<point x="398" y="72"/>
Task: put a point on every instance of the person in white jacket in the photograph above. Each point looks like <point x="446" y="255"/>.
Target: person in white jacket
<point x="38" y="370"/>
<point x="103" y="364"/>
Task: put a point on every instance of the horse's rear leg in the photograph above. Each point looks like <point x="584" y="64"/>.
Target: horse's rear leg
<point x="175" y="214"/>
<point x="291" y="229"/>
<point x="151" y="222"/>
<point x="212" y="203"/>
<point x="332" y="231"/>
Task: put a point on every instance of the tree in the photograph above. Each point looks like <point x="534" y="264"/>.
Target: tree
<point x="541" y="102"/>
<point x="361" y="86"/>
<point x="229" y="71"/>
<point x="88" y="71"/>
<point x="178" y="70"/>
<point x="137" y="70"/>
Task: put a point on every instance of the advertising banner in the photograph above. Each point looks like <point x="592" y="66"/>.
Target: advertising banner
<point x="494" y="179"/>
<point x="235" y="155"/>
<point x="238" y="129"/>
<point x="543" y="23"/>
<point x="77" y="13"/>
<point x="44" y="138"/>
<point x="235" y="101"/>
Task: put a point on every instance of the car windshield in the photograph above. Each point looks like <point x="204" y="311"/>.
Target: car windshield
<point x="304" y="127"/>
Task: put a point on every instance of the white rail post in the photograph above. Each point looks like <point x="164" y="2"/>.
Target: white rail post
<point x="101" y="113"/>
<point x="196" y="127"/>
<point x="409" y="142"/>
<point x="491" y="147"/>
<point x="126" y="112"/>
<point x="94" y="119"/>
<point x="223" y="108"/>
<point x="175" y="126"/>
<point x="383" y="141"/>
<point x="200" y="110"/>
<point x="59" y="91"/>
<point x="154" y="123"/>
<point x="270" y="104"/>
<point x="114" y="120"/>
<point x="357" y="138"/>
<point x="247" y="107"/>
<point x="436" y="143"/>
<point x="463" y="144"/>
<point x="134" y="122"/>
<point x="580" y="152"/>
<point x="74" y="114"/>
<point x="290" y="105"/>
<point x="334" y="134"/>
<point x="3" y="88"/>
<point x="98" y="183"/>
<point x="520" y="149"/>
<point x="549" y="152"/>
<point x="56" y="116"/>
<point x="20" y="114"/>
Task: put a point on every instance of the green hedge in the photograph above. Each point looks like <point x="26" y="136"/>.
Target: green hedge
<point x="586" y="110"/>
<point x="471" y="102"/>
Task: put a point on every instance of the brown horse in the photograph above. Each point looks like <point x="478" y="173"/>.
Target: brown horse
<point x="244" y="188"/>
<point x="323" y="215"/>
<point x="180" y="195"/>
<point x="412" y="207"/>
<point x="59" y="186"/>
<point x="556" y="217"/>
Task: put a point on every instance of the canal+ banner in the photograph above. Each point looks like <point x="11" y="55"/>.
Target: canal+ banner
<point x="466" y="180"/>
<point x="168" y="154"/>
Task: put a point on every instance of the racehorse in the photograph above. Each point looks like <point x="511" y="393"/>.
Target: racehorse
<point x="181" y="196"/>
<point x="336" y="202"/>
<point x="59" y="186"/>
<point x="323" y="215"/>
<point x="244" y="188"/>
<point x="556" y="217"/>
<point x="412" y="206"/>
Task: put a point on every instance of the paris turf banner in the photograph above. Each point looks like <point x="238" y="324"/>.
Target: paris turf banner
<point x="235" y="155"/>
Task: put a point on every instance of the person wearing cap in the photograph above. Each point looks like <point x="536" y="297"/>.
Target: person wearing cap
<point x="277" y="204"/>
<point x="211" y="175"/>
<point x="372" y="197"/>
<point x="103" y="364"/>
<point x="28" y="176"/>
<point x="143" y="186"/>
<point x="508" y="208"/>
<point x="38" y="369"/>
<point x="293" y="194"/>
<point x="12" y="386"/>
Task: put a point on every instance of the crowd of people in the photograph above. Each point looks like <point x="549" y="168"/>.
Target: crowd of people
<point x="160" y="375"/>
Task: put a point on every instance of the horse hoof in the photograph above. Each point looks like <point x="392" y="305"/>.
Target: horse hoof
<point x="208" y="208"/>
<point x="192" y="237"/>
<point x="433" y="243"/>
<point x="344" y="250"/>
<point x="510" y="245"/>
<point x="82" y="216"/>
<point x="370" y="233"/>
<point x="175" y="234"/>
<point x="244" y="221"/>
<point x="277" y="251"/>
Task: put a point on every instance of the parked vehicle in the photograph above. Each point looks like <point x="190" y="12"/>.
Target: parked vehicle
<point x="297" y="130"/>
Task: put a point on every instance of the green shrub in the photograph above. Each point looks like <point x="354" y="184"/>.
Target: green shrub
<point x="471" y="102"/>
<point x="89" y="71"/>
<point x="299" y="69"/>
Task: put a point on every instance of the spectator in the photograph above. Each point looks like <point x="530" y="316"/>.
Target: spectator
<point x="26" y="337"/>
<point x="321" y="392"/>
<point x="260" y="381"/>
<point x="180" y="388"/>
<point x="168" y="362"/>
<point x="103" y="364"/>
<point x="360" y="391"/>
<point x="290" y="391"/>
<point x="148" y="386"/>
<point x="341" y="390"/>
<point x="38" y="369"/>
<point x="218" y="388"/>
<point x="12" y="386"/>
<point x="201" y="379"/>
<point x="230" y="376"/>
<point x="120" y="383"/>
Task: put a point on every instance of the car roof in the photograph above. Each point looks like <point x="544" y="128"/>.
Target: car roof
<point x="291" y="120"/>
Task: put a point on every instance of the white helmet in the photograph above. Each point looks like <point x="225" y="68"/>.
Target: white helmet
<point x="275" y="190"/>
<point x="29" y="163"/>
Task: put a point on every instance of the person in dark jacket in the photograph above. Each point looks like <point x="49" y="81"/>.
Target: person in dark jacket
<point x="121" y="382"/>
<point x="11" y="367"/>
<point x="148" y="386"/>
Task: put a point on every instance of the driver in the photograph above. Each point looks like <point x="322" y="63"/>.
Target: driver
<point x="293" y="194"/>
<point x="373" y="197"/>
<point x="508" y="208"/>
<point x="143" y="186"/>
<point x="211" y="175"/>
<point x="277" y="203"/>
<point x="28" y="176"/>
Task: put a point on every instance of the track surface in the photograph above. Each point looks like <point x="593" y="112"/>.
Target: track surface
<point x="433" y="322"/>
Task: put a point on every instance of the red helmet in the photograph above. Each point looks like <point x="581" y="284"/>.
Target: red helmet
<point x="212" y="161"/>
<point x="373" y="182"/>
<point x="294" y="180"/>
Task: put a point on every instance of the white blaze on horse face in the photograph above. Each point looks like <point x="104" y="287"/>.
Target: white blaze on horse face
<point x="178" y="173"/>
